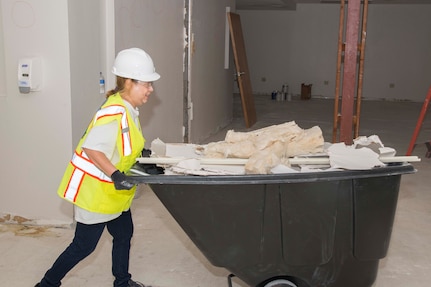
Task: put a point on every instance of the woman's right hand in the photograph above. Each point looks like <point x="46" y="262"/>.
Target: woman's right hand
<point x="122" y="181"/>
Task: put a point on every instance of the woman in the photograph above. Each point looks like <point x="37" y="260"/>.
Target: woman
<point x="95" y="180"/>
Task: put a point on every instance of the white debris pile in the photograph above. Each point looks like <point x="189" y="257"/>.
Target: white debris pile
<point x="284" y="148"/>
<point x="267" y="147"/>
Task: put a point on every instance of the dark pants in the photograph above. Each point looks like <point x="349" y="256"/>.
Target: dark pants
<point x="86" y="238"/>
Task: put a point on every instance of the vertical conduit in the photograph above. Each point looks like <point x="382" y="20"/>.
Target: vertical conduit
<point x="186" y="72"/>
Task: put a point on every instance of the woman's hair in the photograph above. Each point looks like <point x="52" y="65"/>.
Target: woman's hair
<point x="118" y="88"/>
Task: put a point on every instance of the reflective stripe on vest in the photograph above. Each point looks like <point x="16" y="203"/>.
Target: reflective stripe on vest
<point x="82" y="166"/>
<point x="125" y="132"/>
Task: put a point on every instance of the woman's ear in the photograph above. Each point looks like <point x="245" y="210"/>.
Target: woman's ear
<point x="128" y="83"/>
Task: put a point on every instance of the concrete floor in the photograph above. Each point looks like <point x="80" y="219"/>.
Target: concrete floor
<point x="163" y="255"/>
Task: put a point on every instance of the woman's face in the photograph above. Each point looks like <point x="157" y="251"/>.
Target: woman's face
<point x="138" y="92"/>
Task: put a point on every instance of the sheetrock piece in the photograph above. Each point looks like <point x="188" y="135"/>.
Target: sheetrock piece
<point x="387" y="151"/>
<point x="373" y="142"/>
<point x="347" y="157"/>
<point x="189" y="164"/>
<point x="193" y="167"/>
<point x="226" y="169"/>
<point x="281" y="168"/>
<point x="158" y="148"/>
<point x="307" y="169"/>
<point x="364" y="141"/>
<point x="181" y="150"/>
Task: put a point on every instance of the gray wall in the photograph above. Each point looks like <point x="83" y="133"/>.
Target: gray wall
<point x="85" y="48"/>
<point x="300" y="46"/>
<point x="158" y="28"/>
<point x="210" y="86"/>
<point x="36" y="128"/>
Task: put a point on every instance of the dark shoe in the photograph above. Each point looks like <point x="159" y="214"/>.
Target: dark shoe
<point x="37" y="285"/>
<point x="135" y="284"/>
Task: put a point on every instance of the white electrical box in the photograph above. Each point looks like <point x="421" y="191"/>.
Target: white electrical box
<point x="29" y="75"/>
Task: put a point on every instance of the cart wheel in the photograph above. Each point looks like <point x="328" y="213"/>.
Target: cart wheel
<point x="280" y="283"/>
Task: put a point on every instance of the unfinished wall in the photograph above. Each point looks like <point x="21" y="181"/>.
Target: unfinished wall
<point x="211" y="84"/>
<point x="300" y="46"/>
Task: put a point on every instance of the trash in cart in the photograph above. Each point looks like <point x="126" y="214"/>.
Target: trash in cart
<point x="284" y="148"/>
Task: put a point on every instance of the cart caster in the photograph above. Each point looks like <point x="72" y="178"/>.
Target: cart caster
<point x="280" y="283"/>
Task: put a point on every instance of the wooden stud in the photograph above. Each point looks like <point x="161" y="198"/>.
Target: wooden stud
<point x="349" y="73"/>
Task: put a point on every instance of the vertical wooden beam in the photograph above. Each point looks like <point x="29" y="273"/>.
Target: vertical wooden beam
<point x="338" y="73"/>
<point x="349" y="78"/>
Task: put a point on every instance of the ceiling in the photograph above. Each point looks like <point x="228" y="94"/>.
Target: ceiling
<point x="291" y="4"/>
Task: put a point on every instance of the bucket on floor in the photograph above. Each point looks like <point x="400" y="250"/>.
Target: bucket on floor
<point x="274" y="95"/>
<point x="280" y="96"/>
<point x="305" y="91"/>
<point x="285" y="91"/>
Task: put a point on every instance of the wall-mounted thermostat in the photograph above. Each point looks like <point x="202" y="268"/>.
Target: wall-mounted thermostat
<point x="29" y="75"/>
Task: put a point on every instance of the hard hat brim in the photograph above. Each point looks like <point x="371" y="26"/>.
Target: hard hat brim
<point x="144" y="78"/>
<point x="151" y="78"/>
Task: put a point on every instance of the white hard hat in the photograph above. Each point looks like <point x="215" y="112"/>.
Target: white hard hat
<point x="135" y="63"/>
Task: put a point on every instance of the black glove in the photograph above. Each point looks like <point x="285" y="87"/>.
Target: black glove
<point x="148" y="167"/>
<point x="122" y="181"/>
<point x="146" y="152"/>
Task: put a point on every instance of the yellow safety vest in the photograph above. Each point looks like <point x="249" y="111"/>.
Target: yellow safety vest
<point x="86" y="185"/>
